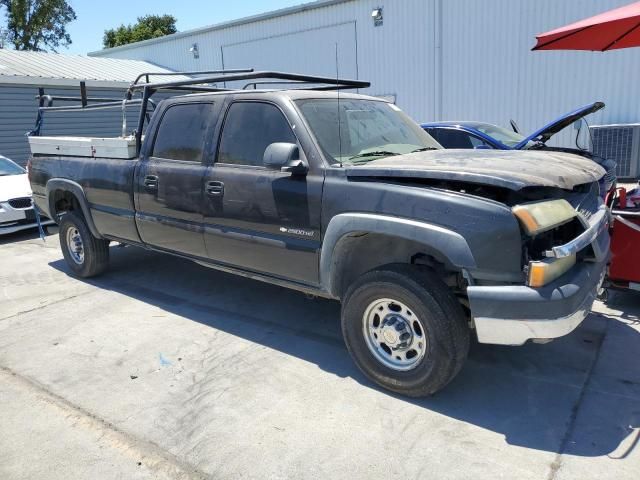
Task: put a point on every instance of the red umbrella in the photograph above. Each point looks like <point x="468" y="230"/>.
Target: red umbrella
<point x="619" y="28"/>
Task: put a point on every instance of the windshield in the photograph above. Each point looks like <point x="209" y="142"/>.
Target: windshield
<point x="367" y="130"/>
<point x="504" y="136"/>
<point x="7" y="167"/>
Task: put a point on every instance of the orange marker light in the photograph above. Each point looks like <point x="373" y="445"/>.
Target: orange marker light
<point x="546" y="271"/>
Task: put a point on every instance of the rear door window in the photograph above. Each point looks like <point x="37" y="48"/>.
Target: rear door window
<point x="182" y="132"/>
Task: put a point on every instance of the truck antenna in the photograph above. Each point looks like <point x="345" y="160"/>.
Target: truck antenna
<point x="339" y="116"/>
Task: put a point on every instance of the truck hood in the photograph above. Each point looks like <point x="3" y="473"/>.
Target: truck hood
<point x="14" y="186"/>
<point x="549" y="130"/>
<point x="512" y="169"/>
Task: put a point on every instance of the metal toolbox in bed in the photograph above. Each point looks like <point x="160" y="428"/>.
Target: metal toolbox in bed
<point x="116" y="147"/>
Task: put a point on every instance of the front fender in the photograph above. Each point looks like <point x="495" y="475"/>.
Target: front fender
<point x="451" y="245"/>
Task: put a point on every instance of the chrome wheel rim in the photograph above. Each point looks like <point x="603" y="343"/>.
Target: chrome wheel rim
<point x="394" y="334"/>
<point x="75" y="246"/>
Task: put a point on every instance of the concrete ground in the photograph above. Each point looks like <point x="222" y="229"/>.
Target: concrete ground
<point x="165" y="369"/>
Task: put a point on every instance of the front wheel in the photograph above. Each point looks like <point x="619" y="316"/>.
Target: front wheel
<point x="86" y="255"/>
<point x="405" y="329"/>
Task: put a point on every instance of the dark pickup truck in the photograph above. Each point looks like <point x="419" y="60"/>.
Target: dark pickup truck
<point x="344" y="196"/>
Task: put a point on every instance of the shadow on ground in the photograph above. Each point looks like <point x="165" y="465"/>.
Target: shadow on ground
<point x="531" y="394"/>
<point x="20" y="236"/>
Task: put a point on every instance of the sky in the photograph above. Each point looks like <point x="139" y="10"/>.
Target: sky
<point x="96" y="16"/>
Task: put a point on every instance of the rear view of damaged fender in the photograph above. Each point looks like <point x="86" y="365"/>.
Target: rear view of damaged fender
<point x="425" y="248"/>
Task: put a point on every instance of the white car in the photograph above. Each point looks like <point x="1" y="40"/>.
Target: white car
<point x="16" y="209"/>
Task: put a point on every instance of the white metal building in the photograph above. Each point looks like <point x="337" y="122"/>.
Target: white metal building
<point x="21" y="73"/>
<point x="441" y="59"/>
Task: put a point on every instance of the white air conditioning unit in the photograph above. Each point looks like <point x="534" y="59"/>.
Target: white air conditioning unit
<point x="620" y="143"/>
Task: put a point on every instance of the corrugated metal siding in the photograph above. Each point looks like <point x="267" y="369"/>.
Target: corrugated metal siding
<point x="318" y="57"/>
<point x="76" y="67"/>
<point x="492" y="75"/>
<point x="18" y="111"/>
<point x="443" y="59"/>
<point x="397" y="57"/>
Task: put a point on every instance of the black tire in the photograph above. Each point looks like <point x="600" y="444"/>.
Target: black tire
<point x="95" y="251"/>
<point x="447" y="332"/>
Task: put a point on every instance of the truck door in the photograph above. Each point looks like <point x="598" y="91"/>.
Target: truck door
<point x="258" y="219"/>
<point x="169" y="179"/>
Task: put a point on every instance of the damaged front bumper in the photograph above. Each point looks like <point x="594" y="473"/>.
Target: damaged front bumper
<point x="513" y="314"/>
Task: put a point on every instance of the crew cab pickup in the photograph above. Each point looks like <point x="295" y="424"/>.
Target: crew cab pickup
<point x="343" y="196"/>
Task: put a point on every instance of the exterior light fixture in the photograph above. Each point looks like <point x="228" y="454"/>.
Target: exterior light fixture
<point x="194" y="50"/>
<point x="376" y="14"/>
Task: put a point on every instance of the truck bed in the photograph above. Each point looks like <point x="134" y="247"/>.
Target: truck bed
<point x="107" y="183"/>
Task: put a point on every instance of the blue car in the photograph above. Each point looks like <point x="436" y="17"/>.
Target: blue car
<point x="480" y="135"/>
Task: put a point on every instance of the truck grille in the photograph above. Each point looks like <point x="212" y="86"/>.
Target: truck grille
<point x="587" y="207"/>
<point x="610" y="177"/>
<point x="536" y="246"/>
<point x="23" y="202"/>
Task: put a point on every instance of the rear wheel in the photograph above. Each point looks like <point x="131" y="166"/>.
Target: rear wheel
<point x="405" y="329"/>
<point x="86" y="255"/>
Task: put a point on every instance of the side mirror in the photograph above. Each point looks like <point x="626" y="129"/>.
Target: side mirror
<point x="284" y="157"/>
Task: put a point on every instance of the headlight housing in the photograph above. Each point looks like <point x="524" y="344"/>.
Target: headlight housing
<point x="539" y="217"/>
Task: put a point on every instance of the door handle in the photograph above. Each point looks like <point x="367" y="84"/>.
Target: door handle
<point x="215" y="189"/>
<point x="151" y="182"/>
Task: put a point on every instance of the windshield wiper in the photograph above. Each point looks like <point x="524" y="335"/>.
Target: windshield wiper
<point x="377" y="153"/>
<point x="424" y="149"/>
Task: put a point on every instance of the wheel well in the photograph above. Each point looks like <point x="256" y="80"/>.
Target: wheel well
<point x="64" y="201"/>
<point x="358" y="253"/>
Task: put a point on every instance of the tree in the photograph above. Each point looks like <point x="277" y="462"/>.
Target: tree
<point x="149" y="26"/>
<point x="38" y="25"/>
